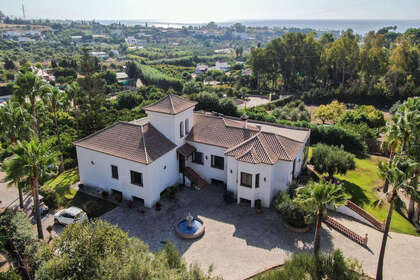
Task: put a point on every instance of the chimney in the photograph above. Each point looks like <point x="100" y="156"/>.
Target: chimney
<point x="244" y="118"/>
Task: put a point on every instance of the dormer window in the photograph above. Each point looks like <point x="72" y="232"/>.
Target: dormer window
<point x="181" y="129"/>
<point x="187" y="126"/>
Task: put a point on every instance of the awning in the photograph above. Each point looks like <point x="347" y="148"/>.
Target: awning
<point x="186" y="150"/>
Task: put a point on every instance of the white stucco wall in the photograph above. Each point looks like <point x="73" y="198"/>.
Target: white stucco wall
<point x="234" y="181"/>
<point x="206" y="171"/>
<point x="155" y="177"/>
<point x="281" y="176"/>
<point x="168" y="125"/>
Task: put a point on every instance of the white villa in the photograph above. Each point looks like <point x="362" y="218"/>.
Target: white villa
<point x="174" y="144"/>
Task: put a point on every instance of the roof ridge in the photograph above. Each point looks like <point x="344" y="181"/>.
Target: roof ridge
<point x="282" y="146"/>
<point x="144" y="145"/>
<point x="265" y="148"/>
<point x="242" y="143"/>
<point x="170" y="102"/>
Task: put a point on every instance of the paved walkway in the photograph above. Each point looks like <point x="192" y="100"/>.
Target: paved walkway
<point x="239" y="242"/>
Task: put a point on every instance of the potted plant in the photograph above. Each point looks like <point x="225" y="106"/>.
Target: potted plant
<point x="105" y="194"/>
<point x="118" y="198"/>
<point x="258" y="206"/>
<point x="49" y="229"/>
<point x="130" y="204"/>
<point x="142" y="211"/>
<point x="228" y="197"/>
<point x="158" y="206"/>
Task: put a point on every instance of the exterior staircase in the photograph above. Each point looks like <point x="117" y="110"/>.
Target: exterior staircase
<point x="346" y="231"/>
<point x="195" y="178"/>
<point x="377" y="224"/>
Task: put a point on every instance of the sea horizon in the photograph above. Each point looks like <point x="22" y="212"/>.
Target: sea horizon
<point x="360" y="26"/>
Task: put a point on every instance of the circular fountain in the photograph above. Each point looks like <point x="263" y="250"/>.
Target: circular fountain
<point x="190" y="227"/>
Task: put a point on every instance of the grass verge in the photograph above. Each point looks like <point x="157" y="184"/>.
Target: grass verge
<point x="67" y="196"/>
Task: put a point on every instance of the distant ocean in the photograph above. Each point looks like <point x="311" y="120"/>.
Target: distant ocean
<point x="358" y="26"/>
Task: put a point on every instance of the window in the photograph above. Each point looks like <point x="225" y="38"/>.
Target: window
<point x="197" y="157"/>
<point x="257" y="181"/>
<point x="181" y="129"/>
<point x="218" y="162"/>
<point x="136" y="178"/>
<point x="187" y="126"/>
<point x="114" y="171"/>
<point x="246" y="180"/>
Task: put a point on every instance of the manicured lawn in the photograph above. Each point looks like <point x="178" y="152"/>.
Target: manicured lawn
<point x="361" y="184"/>
<point x="67" y="196"/>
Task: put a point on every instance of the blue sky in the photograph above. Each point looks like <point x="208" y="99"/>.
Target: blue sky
<point x="217" y="10"/>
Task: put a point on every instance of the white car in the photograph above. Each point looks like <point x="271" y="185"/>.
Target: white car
<point x="69" y="216"/>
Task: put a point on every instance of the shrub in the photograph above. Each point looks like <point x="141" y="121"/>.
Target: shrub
<point x="51" y="198"/>
<point x="69" y="163"/>
<point x="328" y="266"/>
<point x="229" y="197"/>
<point x="92" y="208"/>
<point x="331" y="160"/>
<point x="9" y="275"/>
<point x="14" y="226"/>
<point x="128" y="100"/>
<point x="291" y="212"/>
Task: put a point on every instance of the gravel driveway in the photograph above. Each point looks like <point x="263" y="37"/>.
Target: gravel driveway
<point x="239" y="242"/>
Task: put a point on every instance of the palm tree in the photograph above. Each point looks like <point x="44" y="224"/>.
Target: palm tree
<point x="29" y="86"/>
<point x="392" y="144"/>
<point x="400" y="176"/>
<point x="14" y="121"/>
<point x="15" y="177"/>
<point x="73" y="93"/>
<point x="315" y="197"/>
<point x="30" y="159"/>
<point x="55" y="99"/>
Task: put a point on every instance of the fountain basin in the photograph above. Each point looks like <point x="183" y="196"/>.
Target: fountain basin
<point x="196" y="230"/>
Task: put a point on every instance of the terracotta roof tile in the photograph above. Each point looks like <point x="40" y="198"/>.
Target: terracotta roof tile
<point x="171" y="104"/>
<point x="139" y="143"/>
<point x="248" y="144"/>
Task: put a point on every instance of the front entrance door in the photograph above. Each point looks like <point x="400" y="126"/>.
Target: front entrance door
<point x="181" y="163"/>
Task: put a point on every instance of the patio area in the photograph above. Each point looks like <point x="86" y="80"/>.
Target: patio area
<point x="239" y="242"/>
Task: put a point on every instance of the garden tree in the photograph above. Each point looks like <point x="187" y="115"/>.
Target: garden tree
<point x="258" y="61"/>
<point x="331" y="266"/>
<point x="30" y="159"/>
<point x="29" y="86"/>
<point x="326" y="39"/>
<point x="400" y="176"/>
<point x="109" y="77"/>
<point x="129" y="100"/>
<point x="105" y="252"/>
<point x="343" y="57"/>
<point x="92" y="90"/>
<point x="56" y="100"/>
<point x="405" y="59"/>
<point x="228" y="107"/>
<point x="16" y="235"/>
<point x="133" y="71"/>
<point x="315" y="197"/>
<point x="14" y="121"/>
<point x="373" y="56"/>
<point x="207" y="101"/>
<point x="73" y="94"/>
<point x="9" y="64"/>
<point x="15" y="177"/>
<point x="330" y="112"/>
<point x="332" y="160"/>
<point x="364" y="114"/>
<point x="413" y="34"/>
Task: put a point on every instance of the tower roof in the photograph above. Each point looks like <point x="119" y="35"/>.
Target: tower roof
<point x="171" y="105"/>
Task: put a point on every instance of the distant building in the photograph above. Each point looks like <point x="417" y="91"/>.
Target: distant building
<point x="115" y="53"/>
<point x="223" y="51"/>
<point x="131" y="40"/>
<point x="241" y="35"/>
<point x="201" y="69"/>
<point x="221" y="66"/>
<point x="100" y="55"/>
